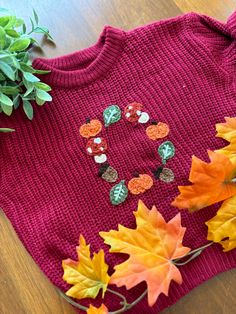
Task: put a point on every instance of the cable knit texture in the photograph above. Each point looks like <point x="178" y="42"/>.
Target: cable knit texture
<point x="183" y="71"/>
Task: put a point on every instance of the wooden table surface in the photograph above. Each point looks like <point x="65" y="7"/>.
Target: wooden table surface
<point x="24" y="289"/>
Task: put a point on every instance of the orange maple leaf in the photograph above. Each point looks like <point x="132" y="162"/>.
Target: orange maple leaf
<point x="212" y="182"/>
<point x="152" y="246"/>
<point x="229" y="151"/>
<point x="94" y="310"/>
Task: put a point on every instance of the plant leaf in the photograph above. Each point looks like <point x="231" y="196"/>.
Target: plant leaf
<point x="12" y="33"/>
<point x="43" y="86"/>
<point x="6" y="109"/>
<point x="23" y="28"/>
<point x="6" y="130"/>
<point x="222" y="227"/>
<point x="43" y="30"/>
<point x="36" y="17"/>
<point x="88" y="275"/>
<point x="16" y="101"/>
<point x="111" y="115"/>
<point x="41" y="94"/>
<point x="7" y="70"/>
<point x="39" y="101"/>
<point x="5" y="100"/>
<point x="4" y="20"/>
<point x="30" y="77"/>
<point x="19" y="22"/>
<point x="151" y="248"/>
<point x="41" y="71"/>
<point x="94" y="310"/>
<point x="118" y="193"/>
<point x="2" y="38"/>
<point x="26" y="68"/>
<point x="212" y="183"/>
<point x="166" y="151"/>
<point x="11" y="23"/>
<point x="9" y="90"/>
<point x="28" y="109"/>
<point x="19" y="44"/>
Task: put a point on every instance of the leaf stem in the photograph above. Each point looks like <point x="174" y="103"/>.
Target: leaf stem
<point x="193" y="254"/>
<point x="126" y="305"/>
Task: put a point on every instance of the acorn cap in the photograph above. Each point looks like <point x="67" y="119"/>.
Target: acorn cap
<point x="103" y="168"/>
<point x="157" y="172"/>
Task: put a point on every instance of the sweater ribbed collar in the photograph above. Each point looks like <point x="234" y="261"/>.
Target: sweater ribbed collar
<point x="84" y="66"/>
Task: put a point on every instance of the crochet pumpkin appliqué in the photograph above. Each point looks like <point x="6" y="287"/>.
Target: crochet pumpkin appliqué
<point x="97" y="147"/>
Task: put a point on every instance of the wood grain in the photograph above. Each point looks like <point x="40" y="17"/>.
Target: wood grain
<point x="24" y="289"/>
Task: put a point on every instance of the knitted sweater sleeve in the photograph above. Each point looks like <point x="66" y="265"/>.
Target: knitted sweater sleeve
<point x="214" y="40"/>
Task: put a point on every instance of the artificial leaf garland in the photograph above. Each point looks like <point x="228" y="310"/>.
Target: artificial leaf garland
<point x="155" y="251"/>
<point x="212" y="183"/>
<point x="151" y="246"/>
<point x="87" y="275"/>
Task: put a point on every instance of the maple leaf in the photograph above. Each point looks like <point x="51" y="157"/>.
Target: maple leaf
<point x="86" y="275"/>
<point x="229" y="151"/>
<point x="222" y="227"/>
<point x="212" y="182"/>
<point x="152" y="246"/>
<point x="94" y="310"/>
<point x="227" y="130"/>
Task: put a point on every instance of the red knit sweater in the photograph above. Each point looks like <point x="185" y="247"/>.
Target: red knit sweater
<point x="183" y="72"/>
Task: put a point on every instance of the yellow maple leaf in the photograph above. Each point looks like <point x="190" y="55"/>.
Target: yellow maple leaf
<point x="87" y="275"/>
<point x="222" y="227"/>
<point x="152" y="246"/>
<point x="94" y="310"/>
<point x="229" y="151"/>
<point x="227" y="130"/>
<point x="211" y="183"/>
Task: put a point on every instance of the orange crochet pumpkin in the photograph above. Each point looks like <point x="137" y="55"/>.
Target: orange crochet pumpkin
<point x="90" y="128"/>
<point x="157" y="130"/>
<point x="140" y="184"/>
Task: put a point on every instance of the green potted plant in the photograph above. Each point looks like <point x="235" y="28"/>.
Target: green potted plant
<point x="18" y="83"/>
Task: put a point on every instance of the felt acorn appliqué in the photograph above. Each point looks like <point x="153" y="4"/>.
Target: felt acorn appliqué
<point x="133" y="113"/>
<point x="164" y="174"/>
<point x="90" y="128"/>
<point x="158" y="130"/>
<point x="140" y="183"/>
<point x="108" y="173"/>
<point x="167" y="175"/>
